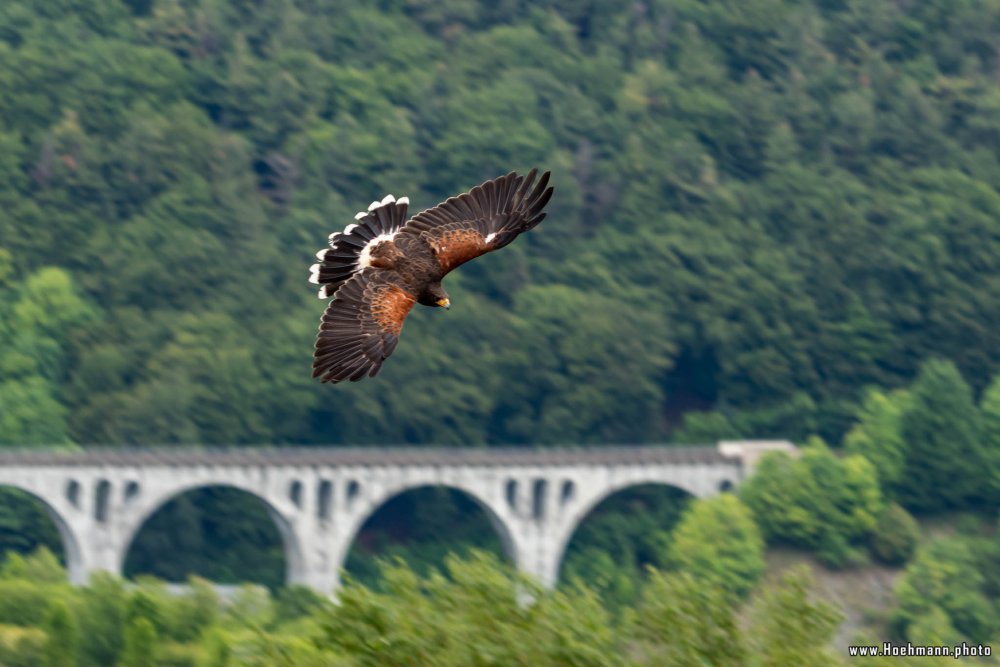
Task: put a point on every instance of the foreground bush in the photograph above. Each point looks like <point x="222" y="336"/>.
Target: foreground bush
<point x="895" y="536"/>
<point x="944" y="583"/>
<point x="718" y="543"/>
<point x="818" y="501"/>
<point x="480" y="613"/>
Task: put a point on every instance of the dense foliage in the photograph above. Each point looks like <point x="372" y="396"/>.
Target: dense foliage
<point x="719" y="544"/>
<point x="932" y="446"/>
<point x="895" y="535"/>
<point x="817" y="501"/>
<point x="944" y="583"/>
<point x="475" y="612"/>
<point x="772" y="218"/>
<point x="480" y="613"/>
<point x="761" y="208"/>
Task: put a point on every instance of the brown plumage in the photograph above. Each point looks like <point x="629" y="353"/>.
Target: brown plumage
<point x="380" y="266"/>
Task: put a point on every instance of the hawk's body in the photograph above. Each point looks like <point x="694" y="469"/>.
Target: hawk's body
<point x="379" y="267"/>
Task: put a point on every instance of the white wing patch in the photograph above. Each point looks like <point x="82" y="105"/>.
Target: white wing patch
<point x="490" y="237"/>
<point x="333" y="270"/>
<point x="365" y="258"/>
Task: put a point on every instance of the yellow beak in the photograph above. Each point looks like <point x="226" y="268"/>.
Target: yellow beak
<point x="444" y="303"/>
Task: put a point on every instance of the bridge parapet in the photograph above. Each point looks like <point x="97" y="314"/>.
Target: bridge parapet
<point x="363" y="456"/>
<point x="749" y="452"/>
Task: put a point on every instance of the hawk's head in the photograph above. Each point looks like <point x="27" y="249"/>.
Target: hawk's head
<point x="434" y="295"/>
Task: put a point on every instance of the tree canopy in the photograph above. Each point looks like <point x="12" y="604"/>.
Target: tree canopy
<point x="761" y="208"/>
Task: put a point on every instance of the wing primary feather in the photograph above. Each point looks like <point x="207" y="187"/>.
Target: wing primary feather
<point x="540" y="204"/>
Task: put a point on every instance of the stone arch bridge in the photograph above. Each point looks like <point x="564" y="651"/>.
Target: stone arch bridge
<point x="320" y="497"/>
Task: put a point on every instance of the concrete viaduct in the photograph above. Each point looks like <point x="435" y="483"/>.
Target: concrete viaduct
<point x="320" y="497"/>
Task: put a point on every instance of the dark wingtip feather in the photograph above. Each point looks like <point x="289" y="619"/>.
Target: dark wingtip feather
<point x="540" y="203"/>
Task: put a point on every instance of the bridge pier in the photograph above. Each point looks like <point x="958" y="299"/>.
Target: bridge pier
<point x="101" y="550"/>
<point x="320" y="498"/>
<point x="537" y="554"/>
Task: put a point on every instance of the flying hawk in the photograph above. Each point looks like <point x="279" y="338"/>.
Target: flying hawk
<point x="381" y="265"/>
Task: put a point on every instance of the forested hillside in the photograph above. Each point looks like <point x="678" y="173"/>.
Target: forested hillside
<point x="762" y="207"/>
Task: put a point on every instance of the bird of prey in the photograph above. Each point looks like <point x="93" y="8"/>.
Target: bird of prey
<point x="382" y="264"/>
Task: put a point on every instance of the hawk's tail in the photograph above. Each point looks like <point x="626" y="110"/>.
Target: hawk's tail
<point x="350" y="249"/>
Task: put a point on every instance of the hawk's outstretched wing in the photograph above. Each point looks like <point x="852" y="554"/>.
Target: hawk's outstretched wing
<point x="486" y="218"/>
<point x="360" y="327"/>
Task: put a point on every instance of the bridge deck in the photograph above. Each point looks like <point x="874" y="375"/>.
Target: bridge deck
<point x="366" y="456"/>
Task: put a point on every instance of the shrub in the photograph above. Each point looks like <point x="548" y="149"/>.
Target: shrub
<point x="818" y="501"/>
<point x="944" y="573"/>
<point x="895" y="536"/>
<point x="789" y="626"/>
<point x="41" y="566"/>
<point x="23" y="602"/>
<point x="717" y="542"/>
<point x="945" y="465"/>
<point x="62" y="640"/>
<point x="140" y="643"/>
<point x="20" y="647"/>
<point x="692" y="621"/>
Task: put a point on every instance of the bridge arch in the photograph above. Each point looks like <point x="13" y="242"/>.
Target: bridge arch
<point x="146" y="507"/>
<point x="75" y="569"/>
<point x="508" y="541"/>
<point x="587" y="507"/>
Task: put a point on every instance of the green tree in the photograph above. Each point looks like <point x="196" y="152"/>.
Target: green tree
<point x="895" y="535"/>
<point x="218" y="651"/>
<point x="944" y="578"/>
<point x="480" y="611"/>
<point x="40" y="567"/>
<point x="877" y="435"/>
<point x="140" y="643"/>
<point x="62" y="637"/>
<point x="102" y="620"/>
<point x="933" y="627"/>
<point x="691" y="620"/>
<point x="194" y="611"/>
<point x="946" y="466"/>
<point x="817" y="501"/>
<point x="790" y="627"/>
<point x="717" y="541"/>
<point x="24" y="602"/>
<point x="26" y="527"/>
<point x="33" y="341"/>
<point x="21" y="646"/>
<point x="990" y="439"/>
